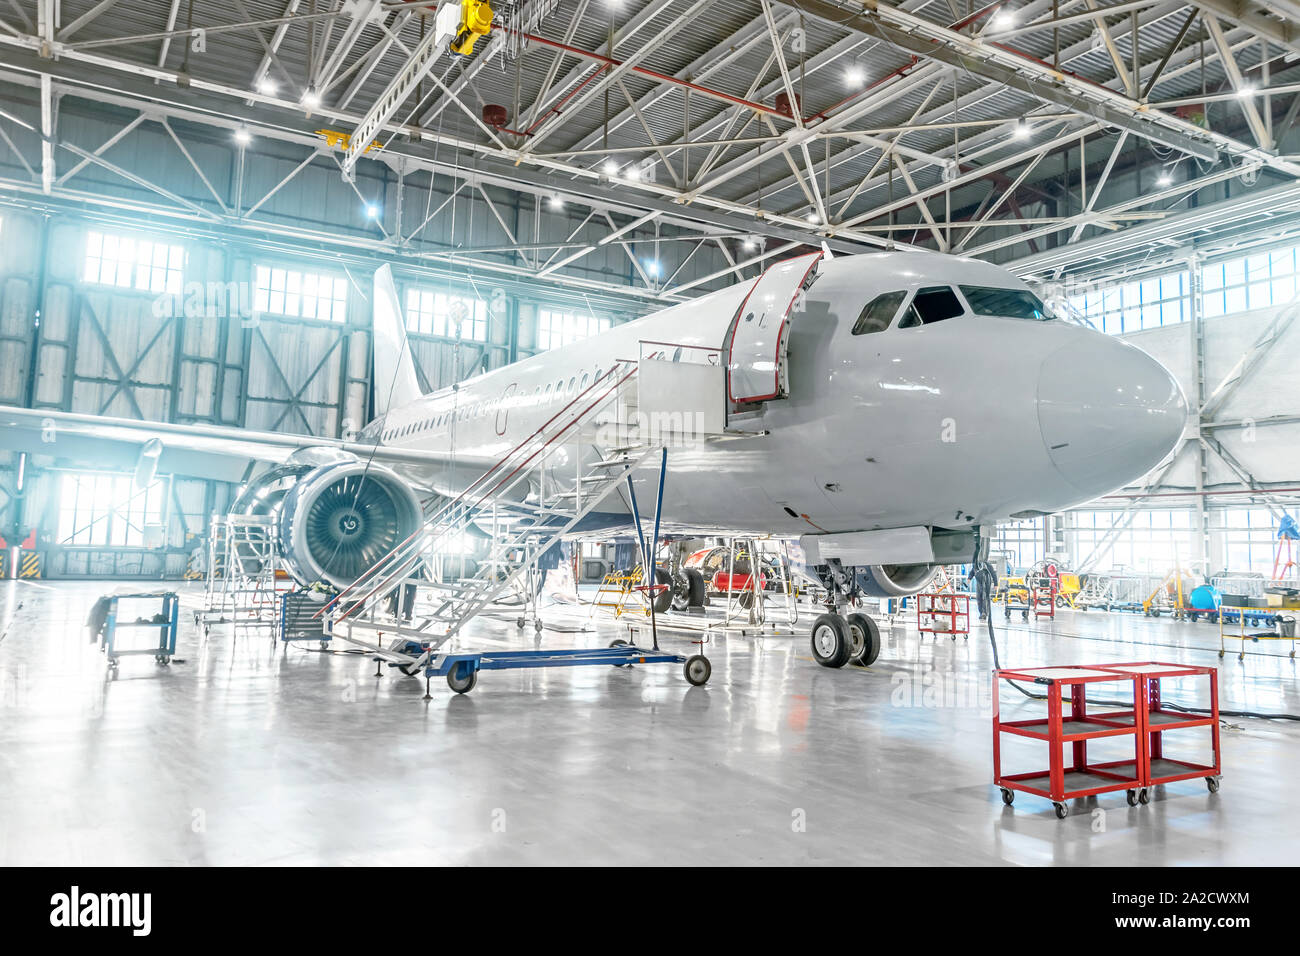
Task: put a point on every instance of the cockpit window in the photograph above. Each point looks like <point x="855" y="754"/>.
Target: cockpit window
<point x="1005" y="303"/>
<point x="878" y="313"/>
<point x="930" y="305"/>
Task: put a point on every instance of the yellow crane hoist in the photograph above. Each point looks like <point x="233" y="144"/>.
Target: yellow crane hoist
<point x="336" y="139"/>
<point x="475" y="21"/>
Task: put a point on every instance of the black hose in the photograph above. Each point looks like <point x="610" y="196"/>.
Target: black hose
<point x="982" y="575"/>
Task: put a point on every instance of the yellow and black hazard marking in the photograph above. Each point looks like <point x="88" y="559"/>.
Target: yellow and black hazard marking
<point x="29" y="564"/>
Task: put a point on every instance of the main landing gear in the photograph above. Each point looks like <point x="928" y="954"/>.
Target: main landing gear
<point x="838" y="640"/>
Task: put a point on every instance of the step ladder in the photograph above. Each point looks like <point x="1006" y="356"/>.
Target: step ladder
<point x="532" y="501"/>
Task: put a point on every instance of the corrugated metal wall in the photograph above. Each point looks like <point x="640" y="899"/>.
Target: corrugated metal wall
<point x="119" y="352"/>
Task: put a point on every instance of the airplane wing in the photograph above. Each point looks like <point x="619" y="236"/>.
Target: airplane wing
<point x="208" y="451"/>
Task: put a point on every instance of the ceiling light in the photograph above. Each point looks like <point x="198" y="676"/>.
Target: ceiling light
<point x="243" y="137"/>
<point x="556" y="202"/>
<point x="266" y="86"/>
<point x="854" y="76"/>
<point x="1022" y="130"/>
<point x="749" y="243"/>
<point x="610" y="168"/>
<point x="372" y="211"/>
<point x="1246" y="90"/>
<point x="814" y="218"/>
<point x="1165" y="178"/>
<point x="652" y="267"/>
<point x="632" y="173"/>
<point x="1003" y="20"/>
<point x="311" y="99"/>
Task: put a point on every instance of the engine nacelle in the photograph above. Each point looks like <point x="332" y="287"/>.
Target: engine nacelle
<point x="894" y="580"/>
<point x="339" y="519"/>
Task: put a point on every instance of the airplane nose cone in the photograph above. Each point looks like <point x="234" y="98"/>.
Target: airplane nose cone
<point x="1108" y="413"/>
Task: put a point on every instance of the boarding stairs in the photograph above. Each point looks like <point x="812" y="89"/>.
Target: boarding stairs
<point x="531" y="498"/>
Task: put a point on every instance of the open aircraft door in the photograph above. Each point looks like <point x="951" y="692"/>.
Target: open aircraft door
<point x="759" y="334"/>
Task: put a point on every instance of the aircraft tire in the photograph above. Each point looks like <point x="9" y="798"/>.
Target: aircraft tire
<point x="864" y="637"/>
<point x="831" y="643"/>
<point x="698" y="591"/>
<point x="663" y="600"/>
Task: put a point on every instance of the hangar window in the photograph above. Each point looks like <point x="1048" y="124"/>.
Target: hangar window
<point x="1144" y="304"/>
<point x="1004" y="303"/>
<point x="106" y="510"/>
<point x="1245" y="283"/>
<point x="555" y="329"/>
<point x="930" y="305"/>
<point x="429" y="312"/>
<point x="878" y="313"/>
<point x="130" y="263"/>
<point x="307" y="295"/>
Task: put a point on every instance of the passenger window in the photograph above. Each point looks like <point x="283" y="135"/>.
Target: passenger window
<point x="878" y="313"/>
<point x="930" y="305"/>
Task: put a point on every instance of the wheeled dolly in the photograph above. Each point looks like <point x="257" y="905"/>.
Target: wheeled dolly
<point x="461" y="670"/>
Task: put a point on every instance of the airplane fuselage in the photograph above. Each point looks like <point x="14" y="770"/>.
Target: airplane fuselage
<point x="967" y="421"/>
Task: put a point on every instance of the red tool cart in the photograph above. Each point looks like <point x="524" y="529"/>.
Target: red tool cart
<point x="1080" y="779"/>
<point x="943" y="612"/>
<point x="1158" y="720"/>
<point x="1146" y="720"/>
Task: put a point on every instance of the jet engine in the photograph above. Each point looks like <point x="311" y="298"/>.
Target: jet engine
<point x="339" y="519"/>
<point x="894" y="580"/>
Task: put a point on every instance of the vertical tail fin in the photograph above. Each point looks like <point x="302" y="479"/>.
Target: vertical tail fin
<point x="395" y="383"/>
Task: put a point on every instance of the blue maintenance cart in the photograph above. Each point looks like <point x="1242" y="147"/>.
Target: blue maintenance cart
<point x="164" y="622"/>
<point x="462" y="669"/>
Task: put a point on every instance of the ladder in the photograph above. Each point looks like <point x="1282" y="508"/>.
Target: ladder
<point x="540" y="507"/>
<point x="242" y="586"/>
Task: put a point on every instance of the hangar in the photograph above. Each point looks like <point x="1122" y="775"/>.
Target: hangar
<point x="856" y="433"/>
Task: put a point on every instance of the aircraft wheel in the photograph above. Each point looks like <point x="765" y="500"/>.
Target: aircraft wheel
<point x="831" y="643"/>
<point x="864" y="636"/>
<point x="698" y="592"/>
<point x="663" y="600"/>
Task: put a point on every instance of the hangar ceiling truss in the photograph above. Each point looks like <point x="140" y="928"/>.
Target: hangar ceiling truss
<point x="742" y="127"/>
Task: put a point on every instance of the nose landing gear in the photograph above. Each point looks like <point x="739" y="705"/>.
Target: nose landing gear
<point x="838" y="639"/>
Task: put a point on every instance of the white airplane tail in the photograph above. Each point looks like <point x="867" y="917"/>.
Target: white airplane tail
<point x="395" y="383"/>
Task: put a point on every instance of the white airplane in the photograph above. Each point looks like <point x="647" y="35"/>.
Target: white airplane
<point x="899" y="403"/>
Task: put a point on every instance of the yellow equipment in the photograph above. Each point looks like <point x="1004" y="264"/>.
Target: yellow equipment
<point x="336" y="139"/>
<point x="475" y="21"/>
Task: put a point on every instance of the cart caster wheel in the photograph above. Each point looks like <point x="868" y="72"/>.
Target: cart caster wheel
<point x="1062" y="811"/>
<point x="619" y="643"/>
<point x="537" y="625"/>
<point x="520" y="622"/>
<point x="1220" y="655"/>
<point x="697" y="670"/>
<point x="1132" y="797"/>
<point x="462" y="685"/>
<point x="1212" y="784"/>
<point x="1008" y="796"/>
<point x="1144" y="796"/>
<point x="1024" y="616"/>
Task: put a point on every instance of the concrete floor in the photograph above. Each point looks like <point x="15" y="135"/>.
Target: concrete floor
<point x="248" y="753"/>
